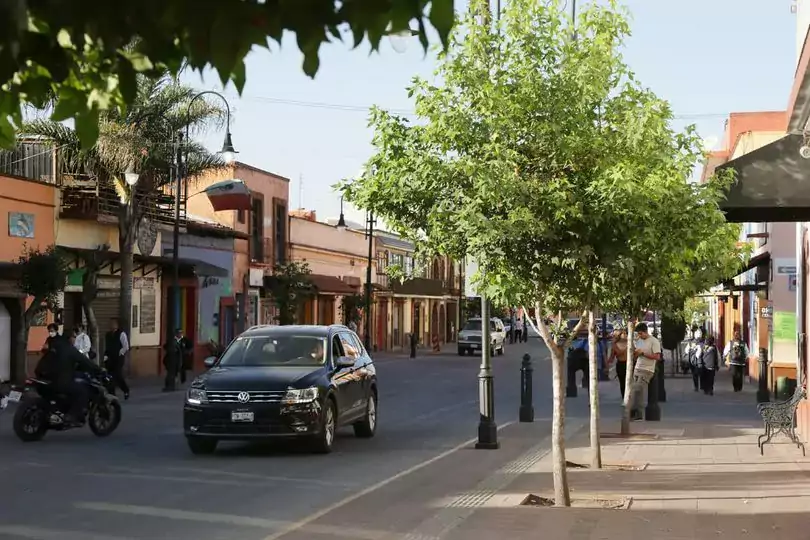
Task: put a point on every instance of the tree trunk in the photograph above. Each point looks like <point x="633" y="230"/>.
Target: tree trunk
<point x="628" y="378"/>
<point x="89" y="294"/>
<point x="562" y="496"/>
<point x="19" y="369"/>
<point x="593" y="390"/>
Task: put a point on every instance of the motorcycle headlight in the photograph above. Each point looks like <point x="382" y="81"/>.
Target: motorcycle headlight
<point x="303" y="395"/>
<point x="196" y="396"/>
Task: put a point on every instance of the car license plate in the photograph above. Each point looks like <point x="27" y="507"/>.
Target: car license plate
<point x="14" y="396"/>
<point x="476" y="346"/>
<point x="241" y="417"/>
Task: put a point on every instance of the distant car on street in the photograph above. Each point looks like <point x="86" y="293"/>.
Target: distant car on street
<point x="469" y="338"/>
<point x="282" y="382"/>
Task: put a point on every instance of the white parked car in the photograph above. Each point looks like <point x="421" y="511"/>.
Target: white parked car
<point x="469" y="338"/>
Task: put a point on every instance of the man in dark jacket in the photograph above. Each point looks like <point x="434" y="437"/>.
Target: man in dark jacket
<point x="59" y="365"/>
<point x="116" y="346"/>
<point x="173" y="357"/>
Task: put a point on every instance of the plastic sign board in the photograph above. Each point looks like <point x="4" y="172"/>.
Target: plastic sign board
<point x="784" y="266"/>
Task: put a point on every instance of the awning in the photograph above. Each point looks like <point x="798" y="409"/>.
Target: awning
<point x="331" y="284"/>
<point x="199" y="268"/>
<point x="773" y="184"/>
<point x="187" y="266"/>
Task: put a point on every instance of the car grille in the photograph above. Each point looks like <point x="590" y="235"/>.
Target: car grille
<point x="232" y="396"/>
<point x="473" y="339"/>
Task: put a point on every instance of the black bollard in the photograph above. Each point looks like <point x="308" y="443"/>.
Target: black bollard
<point x="662" y="391"/>
<point x="526" y="413"/>
<point x="412" y="339"/>
<point x="652" y="413"/>
<point x="571" y="386"/>
<point x="763" y="392"/>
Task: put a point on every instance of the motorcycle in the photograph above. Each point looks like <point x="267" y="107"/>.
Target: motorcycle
<point x="42" y="408"/>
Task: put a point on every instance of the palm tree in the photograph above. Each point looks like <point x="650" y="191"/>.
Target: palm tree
<point x="140" y="140"/>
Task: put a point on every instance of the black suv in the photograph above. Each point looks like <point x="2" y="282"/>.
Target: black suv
<point x="281" y="382"/>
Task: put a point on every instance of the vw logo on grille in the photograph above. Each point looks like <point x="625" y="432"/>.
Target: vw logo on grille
<point x="243" y="397"/>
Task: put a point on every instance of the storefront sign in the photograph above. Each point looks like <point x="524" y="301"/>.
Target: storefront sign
<point x="143" y="283"/>
<point x="766" y="312"/>
<point x="784" y="267"/>
<point x="109" y="282"/>
<point x="784" y="326"/>
<point x="256" y="277"/>
<point x="148" y="310"/>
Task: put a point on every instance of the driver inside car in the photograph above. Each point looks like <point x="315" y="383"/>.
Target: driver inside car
<point x="60" y="365"/>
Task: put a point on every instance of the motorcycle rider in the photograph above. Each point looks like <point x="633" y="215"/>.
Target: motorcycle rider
<point x="60" y="365"/>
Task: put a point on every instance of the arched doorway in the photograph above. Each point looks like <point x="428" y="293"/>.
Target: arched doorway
<point x="443" y="324"/>
<point x="434" y="321"/>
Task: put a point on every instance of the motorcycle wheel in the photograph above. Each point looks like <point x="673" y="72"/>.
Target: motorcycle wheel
<point x="31" y="420"/>
<point x="103" y="418"/>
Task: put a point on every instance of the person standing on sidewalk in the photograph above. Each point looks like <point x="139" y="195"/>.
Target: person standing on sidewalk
<point x="116" y="346"/>
<point x="709" y="364"/>
<point x="618" y="357"/>
<point x="647" y="353"/>
<point x="695" y="352"/>
<point x="736" y="353"/>
<point x="82" y="341"/>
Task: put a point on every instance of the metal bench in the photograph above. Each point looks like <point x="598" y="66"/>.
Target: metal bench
<point x="780" y="417"/>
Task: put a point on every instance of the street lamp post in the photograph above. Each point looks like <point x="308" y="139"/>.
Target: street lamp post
<point x="228" y="155"/>
<point x="341" y="224"/>
<point x="370" y="221"/>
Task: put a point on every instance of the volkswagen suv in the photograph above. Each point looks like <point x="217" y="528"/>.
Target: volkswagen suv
<point x="272" y="382"/>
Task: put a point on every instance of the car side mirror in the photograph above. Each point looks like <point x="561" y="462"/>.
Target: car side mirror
<point x="344" y="362"/>
<point x="210" y="362"/>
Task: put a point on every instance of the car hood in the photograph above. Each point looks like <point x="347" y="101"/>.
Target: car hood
<point x="248" y="378"/>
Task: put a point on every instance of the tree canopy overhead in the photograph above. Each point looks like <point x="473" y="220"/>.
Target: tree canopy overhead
<point x="77" y="50"/>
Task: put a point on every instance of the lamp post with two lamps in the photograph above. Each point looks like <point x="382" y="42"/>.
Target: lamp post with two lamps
<point x="228" y="154"/>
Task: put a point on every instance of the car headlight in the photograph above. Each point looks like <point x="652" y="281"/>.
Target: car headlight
<point x="196" y="396"/>
<point x="302" y="395"/>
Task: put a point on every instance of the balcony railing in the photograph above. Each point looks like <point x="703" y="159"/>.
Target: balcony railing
<point x="32" y="160"/>
<point x="83" y="197"/>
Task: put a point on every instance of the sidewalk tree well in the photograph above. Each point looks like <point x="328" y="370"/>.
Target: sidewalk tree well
<point x="78" y="51"/>
<point x="43" y="275"/>
<point x="141" y="140"/>
<point x="524" y="161"/>
<point x="290" y="288"/>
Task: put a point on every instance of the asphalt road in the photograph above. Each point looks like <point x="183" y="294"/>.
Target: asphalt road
<point x="142" y="482"/>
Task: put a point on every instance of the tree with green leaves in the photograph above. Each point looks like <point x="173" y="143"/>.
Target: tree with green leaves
<point x="290" y="288"/>
<point x="525" y="161"/>
<point x="139" y="140"/>
<point x="79" y="51"/>
<point x="352" y="308"/>
<point x="683" y="246"/>
<point x="42" y="276"/>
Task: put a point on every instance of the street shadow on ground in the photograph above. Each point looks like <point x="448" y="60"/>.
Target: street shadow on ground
<point x="594" y="524"/>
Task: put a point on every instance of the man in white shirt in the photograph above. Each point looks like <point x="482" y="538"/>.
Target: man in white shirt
<point x="647" y="353"/>
<point x="82" y="341"/>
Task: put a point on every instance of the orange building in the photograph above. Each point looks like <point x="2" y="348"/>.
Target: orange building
<point x="27" y="207"/>
<point x="263" y="242"/>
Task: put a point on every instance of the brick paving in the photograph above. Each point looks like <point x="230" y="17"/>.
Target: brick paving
<point x="703" y="478"/>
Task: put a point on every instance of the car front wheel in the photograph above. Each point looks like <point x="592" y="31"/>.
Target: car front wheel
<point x="325" y="439"/>
<point x="368" y="425"/>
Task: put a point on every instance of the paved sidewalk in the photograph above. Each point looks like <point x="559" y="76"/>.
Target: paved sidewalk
<point x="704" y="478"/>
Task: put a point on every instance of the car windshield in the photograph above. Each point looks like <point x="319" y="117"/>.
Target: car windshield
<point x="472" y="326"/>
<point x="290" y="350"/>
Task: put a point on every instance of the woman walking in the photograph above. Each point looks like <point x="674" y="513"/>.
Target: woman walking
<point x="709" y="364"/>
<point x="618" y="357"/>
